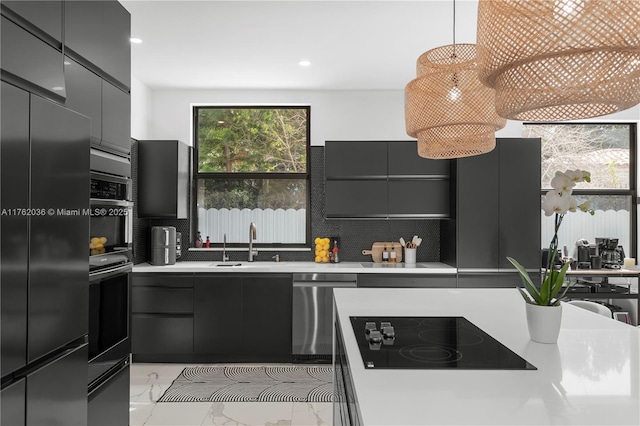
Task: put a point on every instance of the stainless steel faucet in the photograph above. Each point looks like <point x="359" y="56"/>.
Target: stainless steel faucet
<point x="252" y="236"/>
<point x="225" y="257"/>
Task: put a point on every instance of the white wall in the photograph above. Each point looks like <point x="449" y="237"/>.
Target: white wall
<point x="140" y="109"/>
<point x="335" y="115"/>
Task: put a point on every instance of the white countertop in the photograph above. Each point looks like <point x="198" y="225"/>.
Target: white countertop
<point x="298" y="267"/>
<point x="591" y="376"/>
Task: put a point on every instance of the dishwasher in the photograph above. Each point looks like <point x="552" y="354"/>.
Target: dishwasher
<point x="312" y="333"/>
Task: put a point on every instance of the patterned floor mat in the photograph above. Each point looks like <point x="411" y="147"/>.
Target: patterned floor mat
<point x="252" y="384"/>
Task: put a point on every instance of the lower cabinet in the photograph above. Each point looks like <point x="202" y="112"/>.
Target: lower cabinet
<point x="12" y="399"/>
<point x="161" y="317"/>
<point x="493" y="279"/>
<point x="105" y="398"/>
<point x="211" y="317"/>
<point x="243" y="317"/>
<point x="407" y="281"/>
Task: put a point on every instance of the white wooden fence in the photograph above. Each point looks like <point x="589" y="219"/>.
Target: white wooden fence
<point x="273" y="226"/>
<point x="581" y="225"/>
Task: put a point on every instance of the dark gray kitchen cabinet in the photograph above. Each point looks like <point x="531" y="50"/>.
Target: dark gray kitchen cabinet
<point x="163" y="179"/>
<point x="355" y="159"/>
<point x="116" y="119"/>
<point x="356" y="198"/>
<point x="103" y="399"/>
<point x="162" y="308"/>
<point x="108" y="107"/>
<point x="68" y="372"/>
<point x="13" y="408"/>
<point x="498" y="213"/>
<point x="407" y="280"/>
<point x="243" y="317"/>
<point x="218" y="314"/>
<point x="14" y="252"/>
<point x="267" y="315"/>
<point x="97" y="35"/>
<point x="30" y="63"/>
<point x="84" y="95"/>
<point x="45" y="17"/>
<point x="384" y="179"/>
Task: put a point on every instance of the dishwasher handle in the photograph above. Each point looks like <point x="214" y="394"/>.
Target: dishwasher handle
<point x="325" y="284"/>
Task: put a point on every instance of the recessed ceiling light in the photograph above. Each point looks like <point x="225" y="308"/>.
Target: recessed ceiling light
<point x="304" y="63"/>
<point x="57" y="88"/>
<point x="135" y="40"/>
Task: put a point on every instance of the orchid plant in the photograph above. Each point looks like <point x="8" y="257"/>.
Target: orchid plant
<point x="558" y="201"/>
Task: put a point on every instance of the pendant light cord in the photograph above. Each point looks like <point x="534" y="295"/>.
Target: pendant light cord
<point x="454" y="22"/>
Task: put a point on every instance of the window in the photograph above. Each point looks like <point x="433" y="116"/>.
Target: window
<point x="607" y="151"/>
<point x="252" y="165"/>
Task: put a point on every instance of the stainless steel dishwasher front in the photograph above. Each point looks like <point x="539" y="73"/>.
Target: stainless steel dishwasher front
<point x="313" y="314"/>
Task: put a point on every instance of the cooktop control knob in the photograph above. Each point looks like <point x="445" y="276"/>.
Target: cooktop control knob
<point x="388" y="332"/>
<point x="369" y="327"/>
<point x="384" y="324"/>
<point x="375" y="337"/>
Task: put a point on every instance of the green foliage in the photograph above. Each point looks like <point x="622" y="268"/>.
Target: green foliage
<point x="549" y="289"/>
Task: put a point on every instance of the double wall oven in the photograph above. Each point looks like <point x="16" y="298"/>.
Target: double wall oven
<point x="110" y="265"/>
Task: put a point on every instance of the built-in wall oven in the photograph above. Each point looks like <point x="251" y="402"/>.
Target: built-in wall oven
<point x="110" y="265"/>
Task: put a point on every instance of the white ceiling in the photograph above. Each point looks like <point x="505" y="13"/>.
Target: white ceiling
<point x="352" y="45"/>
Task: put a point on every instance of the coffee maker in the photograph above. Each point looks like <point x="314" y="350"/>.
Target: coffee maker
<point x="611" y="254"/>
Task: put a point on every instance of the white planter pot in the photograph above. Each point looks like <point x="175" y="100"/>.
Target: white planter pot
<point x="544" y="322"/>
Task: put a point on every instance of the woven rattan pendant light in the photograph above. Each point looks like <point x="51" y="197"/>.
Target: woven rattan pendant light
<point x="447" y="108"/>
<point x="553" y="60"/>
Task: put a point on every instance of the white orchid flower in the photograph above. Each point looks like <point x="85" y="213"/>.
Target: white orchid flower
<point x="563" y="183"/>
<point x="556" y="202"/>
<point x="573" y="204"/>
<point x="579" y="175"/>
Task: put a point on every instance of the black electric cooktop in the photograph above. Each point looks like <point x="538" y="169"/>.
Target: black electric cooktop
<point x="431" y="343"/>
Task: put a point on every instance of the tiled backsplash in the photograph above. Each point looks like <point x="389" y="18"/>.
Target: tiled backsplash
<point x="355" y="235"/>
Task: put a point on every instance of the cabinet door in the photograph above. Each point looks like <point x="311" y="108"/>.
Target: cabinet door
<point x="64" y="381"/>
<point x="116" y="119"/>
<point x="520" y="202"/>
<point x="355" y="159"/>
<point x="161" y="334"/>
<point x="404" y="160"/>
<point x="30" y="62"/>
<point x="217" y="314"/>
<point x="419" y="198"/>
<point x="84" y="95"/>
<point x="356" y="198"/>
<point x="98" y="32"/>
<point x="109" y="403"/>
<point x="45" y="15"/>
<point x="58" y="262"/>
<point x="116" y="46"/>
<point x="14" y="252"/>
<point x="267" y="315"/>
<point x="12" y="399"/>
<point x="478" y="215"/>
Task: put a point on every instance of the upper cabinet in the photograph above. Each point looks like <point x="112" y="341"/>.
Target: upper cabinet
<point x="41" y="17"/>
<point x="163" y="179"/>
<point x="107" y="106"/>
<point x="386" y="180"/>
<point x="30" y="63"/>
<point x="96" y="34"/>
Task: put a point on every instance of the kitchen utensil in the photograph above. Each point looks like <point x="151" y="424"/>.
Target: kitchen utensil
<point x="414" y="239"/>
<point x="419" y="241"/>
<point x="378" y="247"/>
<point x="402" y="242"/>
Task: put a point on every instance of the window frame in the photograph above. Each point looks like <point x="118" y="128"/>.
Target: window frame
<point x="631" y="192"/>
<point x="306" y="176"/>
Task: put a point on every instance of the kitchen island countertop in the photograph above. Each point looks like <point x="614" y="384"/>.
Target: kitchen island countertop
<point x="298" y="267"/>
<point x="591" y="376"/>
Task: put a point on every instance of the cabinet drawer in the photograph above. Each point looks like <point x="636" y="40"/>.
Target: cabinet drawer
<point x="33" y="61"/>
<point x="351" y="198"/>
<point x="397" y="280"/>
<point x="162" y="299"/>
<point x="162" y="279"/>
<point x="151" y="334"/>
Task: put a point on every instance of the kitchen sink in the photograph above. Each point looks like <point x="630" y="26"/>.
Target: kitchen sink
<point x="240" y="265"/>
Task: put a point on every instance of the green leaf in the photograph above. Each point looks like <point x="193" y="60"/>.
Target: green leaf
<point x="526" y="280"/>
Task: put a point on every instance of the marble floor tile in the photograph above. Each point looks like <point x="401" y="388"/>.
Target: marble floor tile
<point x="150" y="380"/>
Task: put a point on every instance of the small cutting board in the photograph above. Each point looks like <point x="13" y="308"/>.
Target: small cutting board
<point x="378" y="247"/>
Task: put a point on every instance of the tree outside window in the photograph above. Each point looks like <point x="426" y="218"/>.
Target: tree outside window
<point x="252" y="166"/>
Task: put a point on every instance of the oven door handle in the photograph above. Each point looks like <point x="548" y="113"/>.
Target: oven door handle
<point x="106" y="202"/>
<point x="108" y="273"/>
